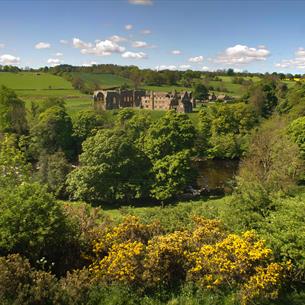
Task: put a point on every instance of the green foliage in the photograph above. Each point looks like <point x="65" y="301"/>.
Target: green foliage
<point x="170" y="134"/>
<point x="52" y="171"/>
<point x="31" y="223"/>
<point x="13" y="165"/>
<point x="172" y="174"/>
<point x="271" y="168"/>
<point x="85" y="123"/>
<point x="263" y="96"/>
<point x="200" y="92"/>
<point x="223" y="129"/>
<point x="284" y="231"/>
<point x="297" y="132"/>
<point x="12" y="112"/>
<point x="51" y="102"/>
<point x="52" y="132"/>
<point x="112" y="168"/>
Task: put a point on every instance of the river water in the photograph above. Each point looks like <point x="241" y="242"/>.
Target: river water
<point x="216" y="173"/>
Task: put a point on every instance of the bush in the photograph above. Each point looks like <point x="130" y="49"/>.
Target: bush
<point x="205" y="255"/>
<point x="33" y="224"/>
<point x="21" y="284"/>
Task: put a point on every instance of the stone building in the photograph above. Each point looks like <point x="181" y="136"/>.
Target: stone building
<point x="116" y="99"/>
<point x="181" y="102"/>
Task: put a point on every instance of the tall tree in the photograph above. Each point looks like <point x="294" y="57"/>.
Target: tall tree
<point x="111" y="169"/>
<point x="52" y="132"/>
<point x="12" y="112"/>
<point x="170" y="134"/>
<point x="200" y="92"/>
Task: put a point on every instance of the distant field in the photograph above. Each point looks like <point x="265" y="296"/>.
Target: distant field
<point x="38" y="86"/>
<point x="73" y="104"/>
<point x="104" y="80"/>
<point x="235" y="90"/>
<point x="34" y="81"/>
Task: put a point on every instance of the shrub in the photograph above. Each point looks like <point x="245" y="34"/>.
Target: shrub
<point x="21" y="284"/>
<point x="239" y="262"/>
<point x="33" y="224"/>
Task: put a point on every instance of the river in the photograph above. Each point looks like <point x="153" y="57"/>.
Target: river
<point x="216" y="173"/>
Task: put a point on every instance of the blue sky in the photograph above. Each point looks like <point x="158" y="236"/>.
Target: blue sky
<point x="257" y="36"/>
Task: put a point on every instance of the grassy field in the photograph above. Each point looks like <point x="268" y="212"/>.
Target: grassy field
<point x="33" y="81"/>
<point x="31" y="86"/>
<point x="104" y="80"/>
<point x="169" y="214"/>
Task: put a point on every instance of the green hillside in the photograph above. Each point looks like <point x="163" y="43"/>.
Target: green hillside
<point x="33" y="81"/>
<point x="34" y="86"/>
<point x="103" y="80"/>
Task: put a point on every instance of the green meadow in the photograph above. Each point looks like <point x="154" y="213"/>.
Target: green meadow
<point x="103" y="80"/>
<point x="35" y="86"/>
<point x="33" y="81"/>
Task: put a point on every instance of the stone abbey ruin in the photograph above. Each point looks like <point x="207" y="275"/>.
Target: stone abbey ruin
<point x="116" y="99"/>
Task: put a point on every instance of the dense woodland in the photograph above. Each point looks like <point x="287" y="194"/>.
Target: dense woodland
<point x="59" y="173"/>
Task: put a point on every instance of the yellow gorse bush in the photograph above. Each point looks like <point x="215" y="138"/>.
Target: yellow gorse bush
<point x="122" y="264"/>
<point x="129" y="230"/>
<point x="166" y="258"/>
<point x="140" y="254"/>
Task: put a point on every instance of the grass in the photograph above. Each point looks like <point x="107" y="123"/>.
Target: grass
<point x="104" y="80"/>
<point x="40" y="93"/>
<point x="178" y="214"/>
<point x="33" y="81"/>
<point x="30" y="86"/>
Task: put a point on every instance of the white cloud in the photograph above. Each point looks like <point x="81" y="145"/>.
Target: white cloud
<point x="79" y="44"/>
<point x="297" y="62"/>
<point x="146" y="32"/>
<point x="242" y="54"/>
<point x="134" y="55"/>
<point x="176" y="52"/>
<point x="139" y="44"/>
<point x="100" y="47"/>
<point x="205" y="68"/>
<point x="103" y="48"/>
<point x="196" y="59"/>
<point x="42" y="45"/>
<point x="2" y="45"/>
<point x="141" y="2"/>
<point x="300" y="53"/>
<point x="63" y="41"/>
<point x="54" y="61"/>
<point x="172" y="67"/>
<point x="128" y="27"/>
<point x="116" y="38"/>
<point x="166" y="67"/>
<point x="59" y="54"/>
<point x="8" y="59"/>
<point x="185" y="67"/>
<point x="89" y="64"/>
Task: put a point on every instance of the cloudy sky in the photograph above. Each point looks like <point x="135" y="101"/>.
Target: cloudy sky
<point x="257" y="36"/>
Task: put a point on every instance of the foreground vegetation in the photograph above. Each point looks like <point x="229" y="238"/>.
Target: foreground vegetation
<point x="59" y="246"/>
